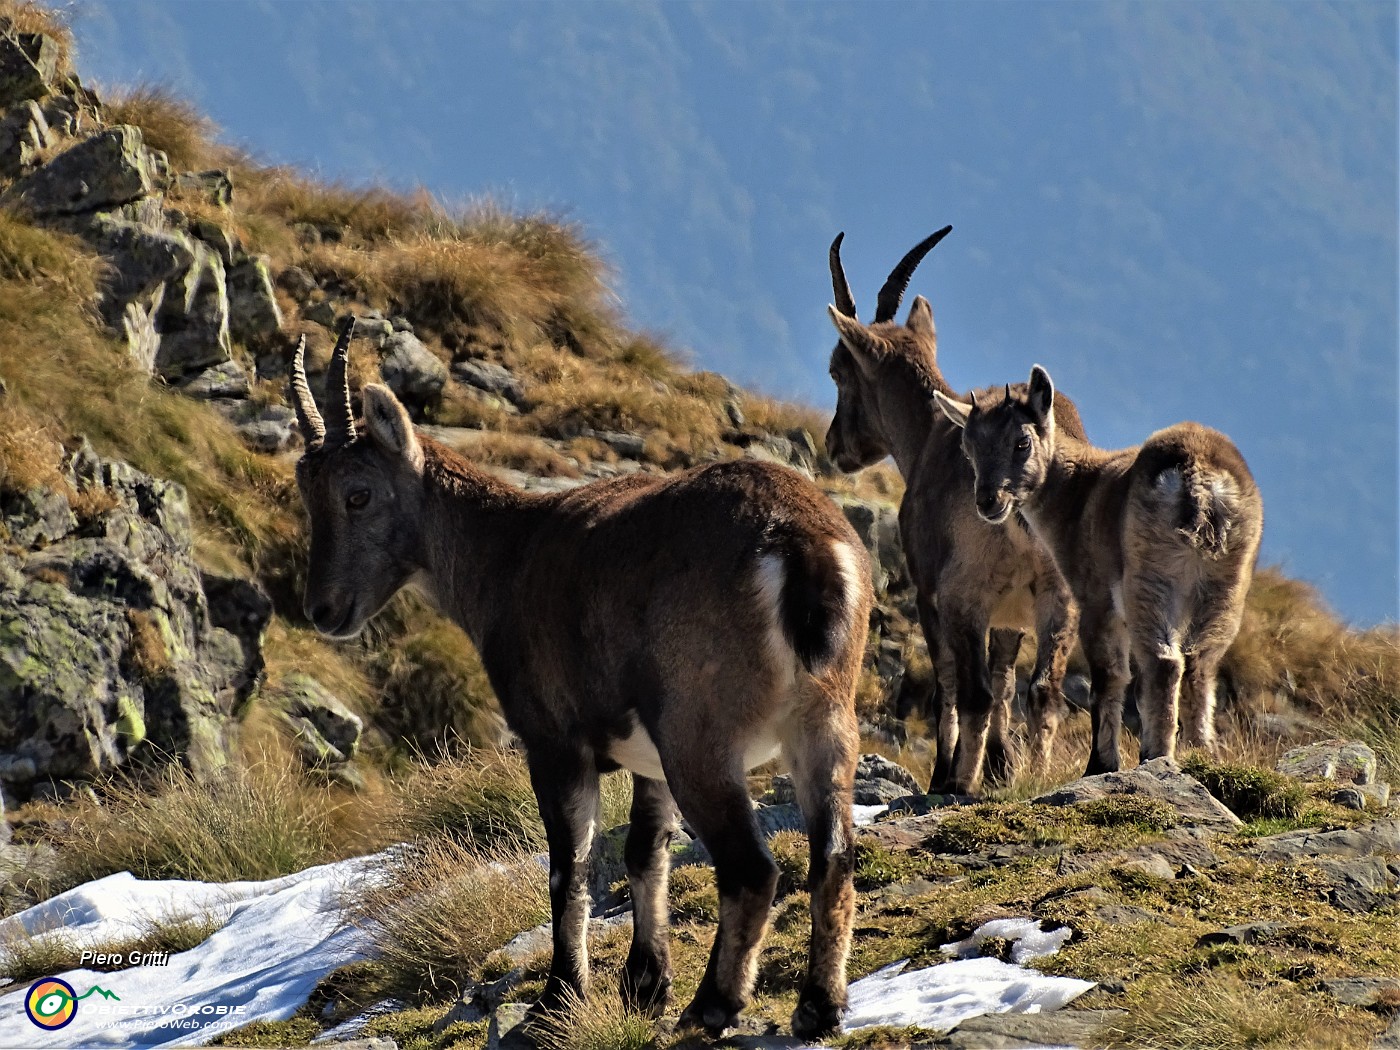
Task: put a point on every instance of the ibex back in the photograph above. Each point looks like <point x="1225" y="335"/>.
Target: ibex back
<point x="1158" y="542"/>
<point x="685" y="627"/>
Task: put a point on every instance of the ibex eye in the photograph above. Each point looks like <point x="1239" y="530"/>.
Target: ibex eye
<point x="357" y="499"/>
<point x="1023" y="444"/>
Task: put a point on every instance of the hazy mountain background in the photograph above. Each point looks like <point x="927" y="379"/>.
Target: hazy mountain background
<point x="1182" y="210"/>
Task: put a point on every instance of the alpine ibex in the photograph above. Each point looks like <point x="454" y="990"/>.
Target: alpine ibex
<point x="686" y="627"/>
<point x="1158" y="543"/>
<point x="967" y="574"/>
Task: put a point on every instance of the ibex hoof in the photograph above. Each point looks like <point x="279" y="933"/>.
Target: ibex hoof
<point x="816" y="1018"/>
<point x="714" y="1017"/>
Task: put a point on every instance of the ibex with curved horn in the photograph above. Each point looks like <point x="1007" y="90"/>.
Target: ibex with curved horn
<point x="968" y="574"/>
<point x="685" y="627"/>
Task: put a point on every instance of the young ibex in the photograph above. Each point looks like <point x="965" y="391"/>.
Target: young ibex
<point x="967" y="574"/>
<point x="1158" y="543"/>
<point x="685" y="627"/>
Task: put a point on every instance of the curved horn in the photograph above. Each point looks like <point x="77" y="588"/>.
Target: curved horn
<point x="313" y="428"/>
<point x="845" y="301"/>
<point x="898" y="280"/>
<point x="972" y="398"/>
<point x="340" y="427"/>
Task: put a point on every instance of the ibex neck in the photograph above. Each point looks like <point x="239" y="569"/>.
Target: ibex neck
<point x="475" y="526"/>
<point x="909" y="413"/>
<point x="1055" y="510"/>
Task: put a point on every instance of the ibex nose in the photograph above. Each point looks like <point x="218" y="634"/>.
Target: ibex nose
<point x="322" y="614"/>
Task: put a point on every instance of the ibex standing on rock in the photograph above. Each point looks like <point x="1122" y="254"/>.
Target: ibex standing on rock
<point x="1158" y="543"/>
<point x="968" y="574"/>
<point x="685" y="627"/>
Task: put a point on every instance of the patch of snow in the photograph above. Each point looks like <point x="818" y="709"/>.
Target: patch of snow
<point x="865" y="815"/>
<point x="1029" y="941"/>
<point x="351" y="1028"/>
<point x="280" y="938"/>
<point x="943" y="996"/>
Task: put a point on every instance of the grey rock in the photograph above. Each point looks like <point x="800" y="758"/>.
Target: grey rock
<point x="1361" y="991"/>
<point x="1245" y="933"/>
<point x="1124" y="914"/>
<point x="1009" y="1031"/>
<point x="28" y="66"/>
<point x="4" y="823"/>
<point x="297" y="281"/>
<point x="877" y="792"/>
<point x="112" y="167"/>
<point x="222" y="380"/>
<point x="35" y="517"/>
<point x="253" y="312"/>
<point x="108" y="649"/>
<point x="62" y="114"/>
<point x="375" y="1042"/>
<point x="1175" y="853"/>
<point x="507" y="1018"/>
<point x="1348" y="761"/>
<point x="143" y="257"/>
<point x="212" y="187"/>
<point x="24" y="132"/>
<point x="1362" y="884"/>
<point x="401" y="323"/>
<point x="1349" y="798"/>
<point x="302" y="697"/>
<point x="1159" y="779"/>
<point x="217" y="238"/>
<point x="1390" y="1038"/>
<point x="734" y="412"/>
<point x="373" y="330"/>
<point x="193" y="318"/>
<point x="273" y="429"/>
<point x="878" y="767"/>
<point x="1376" y="793"/>
<point x="1361" y="840"/>
<point x="491" y="377"/>
<point x="629" y="446"/>
<point x="414" y="375"/>
<point x="322" y="313"/>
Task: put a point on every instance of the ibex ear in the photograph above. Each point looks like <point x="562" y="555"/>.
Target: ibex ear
<point x="956" y="411"/>
<point x="921" y="318"/>
<point x="864" y="347"/>
<point x="389" y="426"/>
<point x="1042" y="393"/>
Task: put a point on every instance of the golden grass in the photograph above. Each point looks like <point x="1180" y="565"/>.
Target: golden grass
<point x="258" y="822"/>
<point x="26" y="16"/>
<point x="600" y="1022"/>
<point x="444" y="909"/>
<point x="168" y="123"/>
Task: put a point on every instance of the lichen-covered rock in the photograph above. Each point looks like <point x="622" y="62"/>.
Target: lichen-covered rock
<point x="490" y="377"/>
<point x="213" y="187"/>
<point x="411" y="371"/>
<point x="1159" y="779"/>
<point x="111" y="168"/>
<point x="108" y="650"/>
<point x="303" y="699"/>
<point x="24" y="132"/>
<point x="253" y="313"/>
<point x="1347" y="761"/>
<point x="228" y="380"/>
<point x="28" y="65"/>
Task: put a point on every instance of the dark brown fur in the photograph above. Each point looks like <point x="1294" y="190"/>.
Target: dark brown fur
<point x="711" y="613"/>
<point x="968" y="574"/>
<point x="1158" y="542"/>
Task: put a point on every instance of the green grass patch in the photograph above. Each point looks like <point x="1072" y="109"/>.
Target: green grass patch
<point x="1247" y="792"/>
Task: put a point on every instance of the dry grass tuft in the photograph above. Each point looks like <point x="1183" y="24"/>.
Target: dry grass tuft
<point x="27" y="957"/>
<point x="481" y="800"/>
<point x="167" y="123"/>
<point x="600" y="1022"/>
<point x="26" y="16"/>
<point x="259" y="822"/>
<point x="444" y="909"/>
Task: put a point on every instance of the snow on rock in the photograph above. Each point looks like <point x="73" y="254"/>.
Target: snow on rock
<point x="943" y="996"/>
<point x="280" y="938"/>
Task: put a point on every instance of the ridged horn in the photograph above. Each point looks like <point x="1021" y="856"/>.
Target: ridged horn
<point x="313" y="428"/>
<point x="845" y="301"/>
<point x="340" y="427"/>
<point x="898" y="280"/>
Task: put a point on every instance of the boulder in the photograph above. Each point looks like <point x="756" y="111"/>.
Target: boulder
<point x="111" y="168"/>
<point x="411" y="371"/>
<point x="1159" y="779"/>
<point x="28" y="66"/>
<point x="253" y="312"/>
<point x="1347" y="761"/>
<point x="628" y="446"/>
<point x="225" y="380"/>
<point x="1012" y="1031"/>
<point x="298" y="283"/>
<point x="212" y="187"/>
<point x="491" y="377"/>
<point x="193" y="318"/>
<point x="305" y="700"/>
<point x="108" y="650"/>
<point x="24" y="132"/>
<point x="143" y="257"/>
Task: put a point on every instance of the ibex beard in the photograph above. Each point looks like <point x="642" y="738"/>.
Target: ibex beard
<point x="684" y="627"/>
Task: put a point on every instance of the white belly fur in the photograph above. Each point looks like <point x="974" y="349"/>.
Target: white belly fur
<point x="637" y="752"/>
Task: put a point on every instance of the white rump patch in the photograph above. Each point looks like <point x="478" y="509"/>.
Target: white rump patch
<point x="1168" y="482"/>
<point x="846" y="562"/>
<point x="1222" y="488"/>
<point x="772" y="574"/>
<point x="637" y="752"/>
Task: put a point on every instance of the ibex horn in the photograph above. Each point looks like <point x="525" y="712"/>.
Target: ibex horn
<point x="845" y="301"/>
<point x="972" y="398"/>
<point x="313" y="429"/>
<point x="1008" y="391"/>
<point x="340" y="428"/>
<point x="898" y="280"/>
